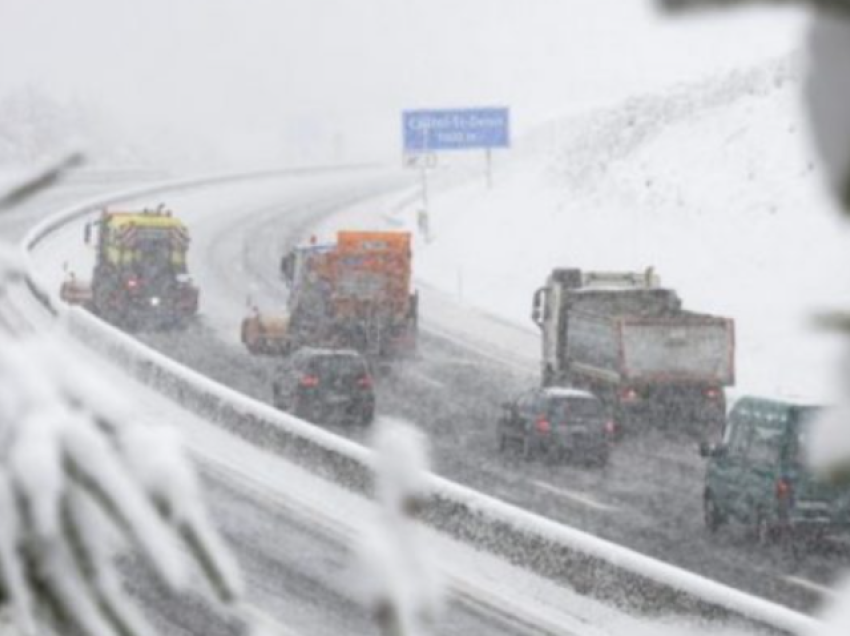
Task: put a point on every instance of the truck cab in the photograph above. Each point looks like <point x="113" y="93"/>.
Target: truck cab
<point x="757" y="475"/>
<point x="569" y="290"/>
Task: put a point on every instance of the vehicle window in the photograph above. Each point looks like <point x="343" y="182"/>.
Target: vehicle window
<point x="798" y="444"/>
<point x="340" y="366"/>
<point x="525" y="404"/>
<point x="540" y="404"/>
<point x="739" y="436"/>
<point x="575" y="408"/>
<point x="765" y="445"/>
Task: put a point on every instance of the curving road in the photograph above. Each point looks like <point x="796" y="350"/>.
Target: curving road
<point x="299" y="572"/>
<point x="647" y="499"/>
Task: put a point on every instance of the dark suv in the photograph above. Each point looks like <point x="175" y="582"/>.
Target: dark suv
<point x="559" y="422"/>
<point x="325" y="386"/>
<point x="757" y="476"/>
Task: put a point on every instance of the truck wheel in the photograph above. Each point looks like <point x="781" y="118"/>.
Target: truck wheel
<point x="527" y="449"/>
<point x="367" y="417"/>
<point x="602" y="458"/>
<point x="762" y="531"/>
<point x="711" y="513"/>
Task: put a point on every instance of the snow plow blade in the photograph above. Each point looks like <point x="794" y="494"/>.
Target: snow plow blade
<point x="75" y="292"/>
<point x="266" y="335"/>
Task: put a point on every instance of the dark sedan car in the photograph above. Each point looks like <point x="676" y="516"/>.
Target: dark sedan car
<point x="559" y="423"/>
<point x="325" y="386"/>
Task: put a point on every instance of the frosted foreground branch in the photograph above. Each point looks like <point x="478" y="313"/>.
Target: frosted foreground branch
<point x="401" y="586"/>
<point x="81" y="479"/>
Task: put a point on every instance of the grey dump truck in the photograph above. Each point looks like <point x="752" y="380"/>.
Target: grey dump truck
<point x="628" y="340"/>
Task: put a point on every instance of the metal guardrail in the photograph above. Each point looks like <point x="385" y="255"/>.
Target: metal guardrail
<point x="591" y="566"/>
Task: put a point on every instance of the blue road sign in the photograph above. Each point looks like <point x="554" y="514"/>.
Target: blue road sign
<point x="431" y="130"/>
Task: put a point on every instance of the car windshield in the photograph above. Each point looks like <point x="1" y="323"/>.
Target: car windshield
<point x="765" y="445"/>
<point x="566" y="409"/>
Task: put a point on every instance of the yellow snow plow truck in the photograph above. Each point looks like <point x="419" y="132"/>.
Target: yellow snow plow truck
<point x="140" y="278"/>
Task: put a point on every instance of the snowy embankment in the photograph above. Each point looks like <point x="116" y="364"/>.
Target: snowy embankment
<point x="711" y="184"/>
<point x="600" y="570"/>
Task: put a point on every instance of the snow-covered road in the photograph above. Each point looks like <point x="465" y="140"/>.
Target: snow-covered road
<point x="649" y="499"/>
<point x="292" y="532"/>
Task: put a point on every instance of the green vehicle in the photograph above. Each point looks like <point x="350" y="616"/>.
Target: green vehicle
<point x="756" y="475"/>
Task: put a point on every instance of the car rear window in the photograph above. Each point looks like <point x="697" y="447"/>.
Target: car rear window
<point x="575" y="408"/>
<point x="337" y="366"/>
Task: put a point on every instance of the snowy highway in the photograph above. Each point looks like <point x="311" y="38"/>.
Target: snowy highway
<point x="593" y="254"/>
<point x="299" y="566"/>
<point x="648" y="499"/>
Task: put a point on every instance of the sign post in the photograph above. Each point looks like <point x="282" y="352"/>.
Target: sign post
<point x="426" y="132"/>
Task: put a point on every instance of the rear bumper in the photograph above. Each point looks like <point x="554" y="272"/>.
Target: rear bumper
<point x="572" y="444"/>
<point x="324" y="409"/>
<point x="680" y="409"/>
<point x="816" y="517"/>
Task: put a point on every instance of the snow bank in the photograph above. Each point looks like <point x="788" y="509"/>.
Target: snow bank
<point x="714" y="185"/>
<point x="6" y="627"/>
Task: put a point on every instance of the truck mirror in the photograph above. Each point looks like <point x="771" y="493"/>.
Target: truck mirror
<point x="711" y="450"/>
<point x="287" y="266"/>
<point x="537" y="307"/>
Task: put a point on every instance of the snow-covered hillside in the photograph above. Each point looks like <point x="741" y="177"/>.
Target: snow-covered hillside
<point x="713" y="185"/>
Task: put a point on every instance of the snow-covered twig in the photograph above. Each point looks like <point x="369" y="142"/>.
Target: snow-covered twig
<point x="830" y="5"/>
<point x="81" y="478"/>
<point x="401" y="586"/>
<point x="31" y="185"/>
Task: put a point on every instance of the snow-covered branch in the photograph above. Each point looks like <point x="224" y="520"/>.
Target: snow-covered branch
<point x="829" y="5"/>
<point x="401" y="585"/>
<point x="81" y="479"/>
<point x="38" y="180"/>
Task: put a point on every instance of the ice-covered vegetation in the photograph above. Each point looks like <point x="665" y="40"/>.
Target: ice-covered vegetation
<point x="83" y="480"/>
<point x="401" y="584"/>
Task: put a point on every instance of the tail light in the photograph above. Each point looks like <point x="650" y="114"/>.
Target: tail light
<point x="629" y="395"/>
<point x="784" y="491"/>
<point x="365" y="382"/>
<point x="310" y="381"/>
<point x="712" y="393"/>
<point x="610" y="428"/>
<point x="542" y="425"/>
<point x="132" y="283"/>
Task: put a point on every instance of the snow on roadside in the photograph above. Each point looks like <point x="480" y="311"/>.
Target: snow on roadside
<point x="721" y="199"/>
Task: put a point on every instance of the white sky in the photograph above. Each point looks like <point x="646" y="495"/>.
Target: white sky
<point x="256" y="73"/>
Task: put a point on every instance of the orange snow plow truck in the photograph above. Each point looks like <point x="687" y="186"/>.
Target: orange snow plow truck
<point x="355" y="293"/>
